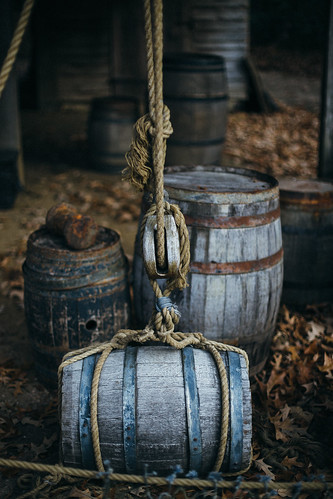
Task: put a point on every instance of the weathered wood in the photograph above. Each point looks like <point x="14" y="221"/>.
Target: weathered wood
<point x="307" y="232"/>
<point x="72" y="298"/>
<point x="110" y="131"/>
<point x="221" y="27"/>
<point x="325" y="168"/>
<point x="195" y="90"/>
<point x="161" y="419"/>
<point x="235" y="278"/>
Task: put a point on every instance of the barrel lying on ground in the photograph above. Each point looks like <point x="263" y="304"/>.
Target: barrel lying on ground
<point x="72" y="298"/>
<point x="236" y="270"/>
<point x="157" y="406"/>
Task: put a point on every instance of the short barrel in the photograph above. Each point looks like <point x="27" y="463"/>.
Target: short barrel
<point x="195" y="90"/>
<point x="157" y="406"/>
<point x="236" y="269"/>
<point x="307" y="232"/>
<point x="72" y="298"/>
<point x="110" y="130"/>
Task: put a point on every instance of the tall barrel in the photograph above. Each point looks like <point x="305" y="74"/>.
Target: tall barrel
<point x="110" y="130"/>
<point x="195" y="90"/>
<point x="307" y="232"/>
<point x="236" y="270"/>
<point x="72" y="298"/>
<point x="157" y="406"/>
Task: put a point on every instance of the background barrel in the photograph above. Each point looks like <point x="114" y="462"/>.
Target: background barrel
<point x="195" y="90"/>
<point x="145" y="415"/>
<point x="307" y="232"/>
<point x="110" y="130"/>
<point x="72" y="298"/>
<point x="236" y="271"/>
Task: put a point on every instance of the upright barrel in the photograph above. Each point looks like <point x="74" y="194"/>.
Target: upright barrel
<point x="236" y="269"/>
<point x="72" y="298"/>
<point x="157" y="406"/>
<point x="195" y="90"/>
<point x="307" y="232"/>
<point x="110" y="130"/>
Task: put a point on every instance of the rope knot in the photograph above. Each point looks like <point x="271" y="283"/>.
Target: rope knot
<point x="167" y="126"/>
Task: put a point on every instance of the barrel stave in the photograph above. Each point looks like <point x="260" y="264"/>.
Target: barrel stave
<point x="160" y="410"/>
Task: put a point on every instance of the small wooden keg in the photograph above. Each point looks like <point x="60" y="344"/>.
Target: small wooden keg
<point x="72" y="298"/>
<point x="110" y="130"/>
<point x="236" y="270"/>
<point x="307" y="232"/>
<point x="195" y="90"/>
<point x="157" y="406"/>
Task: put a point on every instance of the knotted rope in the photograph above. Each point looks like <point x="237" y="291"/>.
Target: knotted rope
<point x="145" y="170"/>
<point x="8" y="63"/>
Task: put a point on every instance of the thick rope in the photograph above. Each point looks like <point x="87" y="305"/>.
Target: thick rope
<point x="9" y="61"/>
<point x="57" y="470"/>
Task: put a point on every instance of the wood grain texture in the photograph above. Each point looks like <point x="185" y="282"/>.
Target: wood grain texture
<point x="307" y="231"/>
<point x="238" y="305"/>
<point x="72" y="298"/>
<point x="161" y="422"/>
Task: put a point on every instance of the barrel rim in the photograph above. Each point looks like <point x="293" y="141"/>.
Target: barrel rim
<point x="193" y="61"/>
<point x="261" y="194"/>
<point x="299" y="190"/>
<point x="80" y="255"/>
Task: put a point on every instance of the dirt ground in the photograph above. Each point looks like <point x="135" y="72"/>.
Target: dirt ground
<point x="57" y="169"/>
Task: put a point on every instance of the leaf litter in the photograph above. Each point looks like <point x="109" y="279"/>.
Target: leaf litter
<point x="292" y="396"/>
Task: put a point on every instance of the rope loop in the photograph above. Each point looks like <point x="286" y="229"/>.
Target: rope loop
<point x="139" y="158"/>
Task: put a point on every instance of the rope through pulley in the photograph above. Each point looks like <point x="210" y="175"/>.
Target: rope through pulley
<point x="165" y="241"/>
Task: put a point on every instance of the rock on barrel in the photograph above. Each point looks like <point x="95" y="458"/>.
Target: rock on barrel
<point x="72" y="298"/>
<point x="149" y="411"/>
<point x="236" y="271"/>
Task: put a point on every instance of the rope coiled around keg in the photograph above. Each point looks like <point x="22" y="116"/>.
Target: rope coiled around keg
<point x="176" y="340"/>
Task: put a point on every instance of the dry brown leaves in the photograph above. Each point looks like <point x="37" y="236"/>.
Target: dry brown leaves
<point x="292" y="398"/>
<point x="280" y="144"/>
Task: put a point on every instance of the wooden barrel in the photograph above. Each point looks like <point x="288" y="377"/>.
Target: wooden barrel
<point x="221" y="27"/>
<point x="236" y="271"/>
<point x="195" y="90"/>
<point x="72" y="298"/>
<point x="157" y="406"/>
<point x="110" y="131"/>
<point x="307" y="232"/>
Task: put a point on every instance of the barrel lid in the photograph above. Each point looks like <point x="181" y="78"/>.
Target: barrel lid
<point x="42" y="241"/>
<point x="306" y="190"/>
<point x="216" y="184"/>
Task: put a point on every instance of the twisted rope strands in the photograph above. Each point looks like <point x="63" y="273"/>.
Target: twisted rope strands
<point x="56" y="469"/>
<point x="15" y="44"/>
<point x="158" y="149"/>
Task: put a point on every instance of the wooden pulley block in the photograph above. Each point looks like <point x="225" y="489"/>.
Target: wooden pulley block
<point x="172" y="248"/>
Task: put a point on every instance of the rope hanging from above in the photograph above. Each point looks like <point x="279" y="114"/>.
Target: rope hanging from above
<point x="15" y="44"/>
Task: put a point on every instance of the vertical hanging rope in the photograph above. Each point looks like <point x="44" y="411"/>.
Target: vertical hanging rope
<point x="154" y="39"/>
<point x="8" y="63"/>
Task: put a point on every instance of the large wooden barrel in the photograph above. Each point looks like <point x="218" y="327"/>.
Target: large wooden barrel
<point x="236" y="271"/>
<point x="72" y="298"/>
<point x="157" y="406"/>
<point x="195" y="90"/>
<point x="110" y="131"/>
<point x="307" y="232"/>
